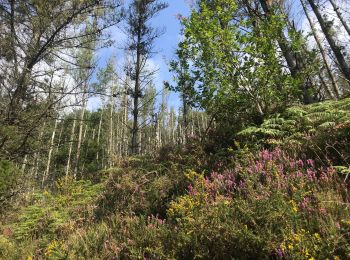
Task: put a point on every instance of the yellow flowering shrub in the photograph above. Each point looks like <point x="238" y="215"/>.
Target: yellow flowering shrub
<point x="55" y="250"/>
<point x="302" y="245"/>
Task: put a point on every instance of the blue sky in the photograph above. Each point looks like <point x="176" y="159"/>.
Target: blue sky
<point x="166" y="45"/>
<point x="168" y="42"/>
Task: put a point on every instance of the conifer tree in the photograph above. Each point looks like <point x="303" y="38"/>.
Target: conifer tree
<point x="141" y="37"/>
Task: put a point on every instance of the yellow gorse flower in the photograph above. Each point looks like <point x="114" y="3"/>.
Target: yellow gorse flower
<point x="294" y="205"/>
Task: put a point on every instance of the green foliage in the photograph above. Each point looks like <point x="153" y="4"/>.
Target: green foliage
<point x="262" y="205"/>
<point x="8" y="177"/>
<point x="200" y="201"/>
<point x="268" y="206"/>
<point x="7" y="248"/>
<point x="320" y="129"/>
<point x="141" y="186"/>
<point x="122" y="236"/>
<point x="50" y="216"/>
<point x="9" y="182"/>
<point x="228" y="62"/>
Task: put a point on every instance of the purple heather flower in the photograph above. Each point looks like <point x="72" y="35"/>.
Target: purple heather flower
<point x="300" y="163"/>
<point x="311" y="174"/>
<point x="279" y="253"/>
<point x="310" y="162"/>
<point x="299" y="174"/>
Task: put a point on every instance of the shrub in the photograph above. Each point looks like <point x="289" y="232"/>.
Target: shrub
<point x="321" y="131"/>
<point x="7" y="248"/>
<point x="140" y="187"/>
<point x="9" y="182"/>
<point x="246" y="212"/>
<point x="121" y="236"/>
<point x="52" y="215"/>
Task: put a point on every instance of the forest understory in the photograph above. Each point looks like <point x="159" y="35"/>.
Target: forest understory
<point x="243" y="152"/>
<point x="288" y="200"/>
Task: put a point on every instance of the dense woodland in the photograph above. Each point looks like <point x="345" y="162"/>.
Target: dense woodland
<point x="253" y="163"/>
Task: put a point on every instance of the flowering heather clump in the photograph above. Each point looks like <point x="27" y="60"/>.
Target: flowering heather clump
<point x="248" y="209"/>
<point x="273" y="169"/>
<point x="268" y="205"/>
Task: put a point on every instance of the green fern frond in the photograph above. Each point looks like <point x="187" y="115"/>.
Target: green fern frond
<point x="321" y="116"/>
<point x="296" y="111"/>
<point x="326" y="125"/>
<point x="249" y="131"/>
<point x="271" y="132"/>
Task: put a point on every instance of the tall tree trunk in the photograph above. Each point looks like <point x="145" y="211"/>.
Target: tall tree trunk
<point x="99" y="134"/>
<point x="84" y="138"/>
<point x="158" y="134"/>
<point x="38" y="154"/>
<point x="135" y="127"/>
<point x="340" y="16"/>
<point x="322" y="51"/>
<point x="140" y="142"/>
<point x="326" y="28"/>
<point x="59" y="139"/>
<point x="325" y="86"/>
<point x="111" y="135"/>
<point x="93" y="133"/>
<point x="13" y="38"/>
<point x="24" y="164"/>
<point x="80" y="139"/>
<point x="192" y="124"/>
<point x="125" y="126"/>
<point x="199" y="125"/>
<point x="294" y="61"/>
<point x="185" y="118"/>
<point x="46" y="173"/>
<point x="70" y="149"/>
<point x="204" y="121"/>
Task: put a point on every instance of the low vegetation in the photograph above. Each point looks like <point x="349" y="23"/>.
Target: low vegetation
<point x="252" y="203"/>
<point x="100" y="160"/>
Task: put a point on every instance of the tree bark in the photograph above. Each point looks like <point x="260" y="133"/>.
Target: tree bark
<point x="46" y="173"/>
<point x="340" y="16"/>
<point x="99" y="134"/>
<point x="111" y="135"/>
<point x="125" y="126"/>
<point x="135" y="128"/>
<point x="81" y="125"/>
<point x="294" y="61"/>
<point x="70" y="149"/>
<point x="326" y="28"/>
<point x="37" y="154"/>
<point x="322" y="51"/>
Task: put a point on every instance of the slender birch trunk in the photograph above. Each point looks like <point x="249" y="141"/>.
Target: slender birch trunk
<point x="111" y="136"/>
<point x="24" y="164"/>
<point x="59" y="139"/>
<point x="125" y="125"/>
<point x="46" y="173"/>
<point x="99" y="133"/>
<point x="70" y="148"/>
<point x="37" y="154"/>
<point x="80" y="136"/>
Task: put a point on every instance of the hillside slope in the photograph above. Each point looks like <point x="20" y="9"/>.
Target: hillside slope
<point x="280" y="191"/>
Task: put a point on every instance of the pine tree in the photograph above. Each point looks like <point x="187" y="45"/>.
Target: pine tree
<point x="141" y="37"/>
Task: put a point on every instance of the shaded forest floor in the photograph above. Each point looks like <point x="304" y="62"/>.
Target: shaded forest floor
<point x="280" y="190"/>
